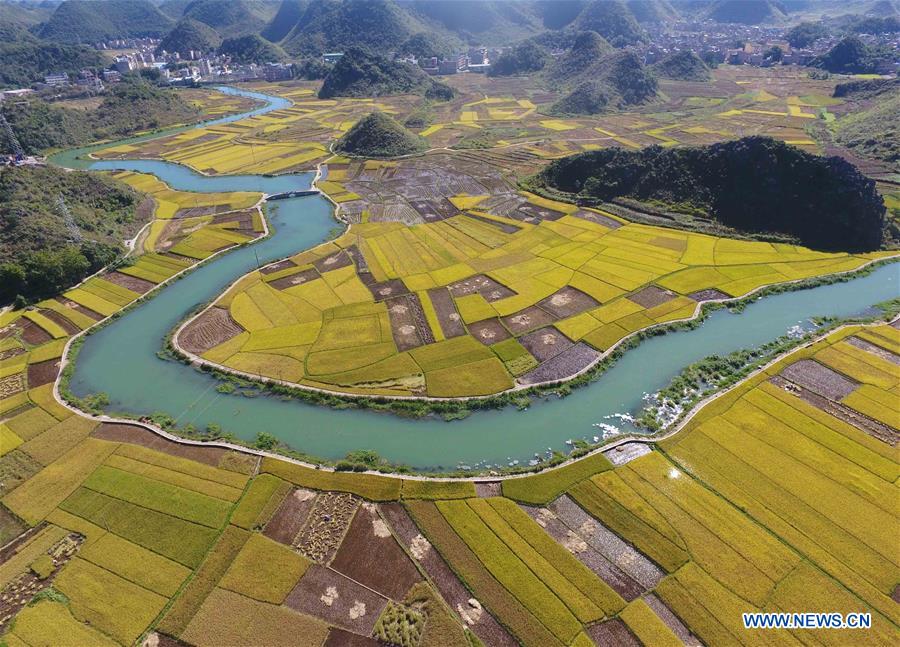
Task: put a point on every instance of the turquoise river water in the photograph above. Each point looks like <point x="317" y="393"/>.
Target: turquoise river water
<point x="121" y="359"/>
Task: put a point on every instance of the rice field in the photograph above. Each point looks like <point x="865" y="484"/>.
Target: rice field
<point x="444" y="308"/>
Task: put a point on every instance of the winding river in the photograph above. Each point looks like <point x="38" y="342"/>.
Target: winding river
<point x="121" y="359"/>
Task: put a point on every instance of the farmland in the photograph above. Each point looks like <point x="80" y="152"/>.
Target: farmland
<point x="454" y="281"/>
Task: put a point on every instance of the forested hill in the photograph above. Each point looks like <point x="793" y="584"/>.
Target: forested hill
<point x="362" y="73"/>
<point x="37" y="258"/>
<point x="24" y="58"/>
<point x="127" y="108"/>
<point x="89" y="21"/>
<point x="755" y="184"/>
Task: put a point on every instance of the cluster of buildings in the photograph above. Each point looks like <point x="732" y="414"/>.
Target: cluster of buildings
<point x="745" y="44"/>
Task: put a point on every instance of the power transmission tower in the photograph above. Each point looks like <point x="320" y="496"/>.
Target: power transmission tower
<point x="13" y="140"/>
<point x="74" y="231"/>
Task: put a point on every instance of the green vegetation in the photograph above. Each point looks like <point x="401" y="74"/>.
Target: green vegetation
<point x="263" y="489"/>
<point x="805" y="34"/>
<point x="189" y="35"/>
<point x="251" y="49"/>
<point x="851" y="56"/>
<point x="526" y="58"/>
<point x="379" y="135"/>
<point x="425" y="45"/>
<point x="37" y="257"/>
<point x="752" y="184"/>
<point x="400" y="625"/>
<point x="615" y="81"/>
<point x="682" y="66"/>
<point x="873" y="132"/>
<point x="588" y="98"/>
<point x="289" y="14"/>
<point x="231" y="17"/>
<point x="613" y="21"/>
<point x="368" y="486"/>
<point x="587" y="50"/>
<point x="126" y="108"/>
<point x="361" y="73"/>
<point x="85" y="21"/>
<point x="25" y="59"/>
<point x="747" y="13"/>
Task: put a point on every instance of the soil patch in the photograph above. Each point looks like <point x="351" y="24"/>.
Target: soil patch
<point x="445" y="308"/>
<point x="43" y="372"/>
<point x="277" y="267"/>
<point x="370" y="555"/>
<point x="324" y="593"/>
<point x="505" y="227"/>
<point x="213" y="327"/>
<point x="12" y="352"/>
<point x="572" y="541"/>
<point x="869" y="347"/>
<point x="568" y="302"/>
<point x="672" y="621"/>
<point x="333" y="262"/>
<point x="652" y="296"/>
<point x="545" y="343"/>
<point x="132" y="283"/>
<point x="359" y="261"/>
<point x="486" y="490"/>
<point x="489" y="331"/>
<point x="32" y="333"/>
<point x="10" y="385"/>
<point x="564" y="365"/>
<point x="387" y="289"/>
<point x="483" y="625"/>
<point x="285" y="524"/>
<point x="137" y="435"/>
<point x="96" y="316"/>
<point x="483" y="285"/>
<point x="303" y="276"/>
<point x="613" y="632"/>
<point x="820" y="379"/>
<point x="626" y="453"/>
<point x="326" y="525"/>
<point x="709" y="294"/>
<point x="621" y="555"/>
<point x="527" y="319"/>
<point x="340" y="638"/>
<point x="408" y="324"/>
<point x="532" y="212"/>
<point x="434" y="210"/>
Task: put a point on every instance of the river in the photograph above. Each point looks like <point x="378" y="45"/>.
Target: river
<point x="121" y="359"/>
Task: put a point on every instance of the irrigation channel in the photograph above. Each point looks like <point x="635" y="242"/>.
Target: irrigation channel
<point x="121" y="359"/>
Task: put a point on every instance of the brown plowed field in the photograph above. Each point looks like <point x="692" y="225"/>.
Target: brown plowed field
<point x="652" y="296"/>
<point x="277" y="267"/>
<point x="287" y="521"/>
<point x="819" y="379"/>
<point x="528" y="319"/>
<point x="448" y="317"/>
<point x="489" y="331"/>
<point x="545" y="343"/>
<point x="566" y="364"/>
<point x="131" y="282"/>
<point x="568" y="302"/>
<point x="613" y="632"/>
<point x="483" y="285"/>
<point x="64" y="323"/>
<point x="370" y="555"/>
<point x="210" y="329"/>
<point x="42" y="372"/>
<point x="448" y="585"/>
<point x="137" y="435"/>
<point x="333" y="262"/>
<point x="326" y="594"/>
<point x="96" y="316"/>
<point x="304" y="276"/>
<point x="32" y="333"/>
<point x="340" y="638"/>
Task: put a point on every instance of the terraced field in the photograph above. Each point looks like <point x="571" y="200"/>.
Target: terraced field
<point x="476" y="301"/>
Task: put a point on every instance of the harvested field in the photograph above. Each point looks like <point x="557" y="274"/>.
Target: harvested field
<point x="545" y="343"/>
<point x="132" y="283"/>
<point x="448" y="317"/>
<point x="651" y="296"/>
<point x="297" y="278"/>
<point x="12" y="384"/>
<point x="213" y="327"/>
<point x="613" y="632"/>
<point x="709" y="294"/>
<point x="32" y="333"/>
<point x="486" y="490"/>
<point x="622" y="454"/>
<point x="820" y="379"/>
<point x="534" y="213"/>
<point x="409" y="327"/>
<point x="387" y="289"/>
<point x="434" y="210"/>
<point x="672" y="621"/>
<point x="277" y="267"/>
<point x="483" y="285"/>
<point x="340" y="638"/>
<point x="620" y="554"/>
<point x="326" y="594"/>
<point x="489" y="331"/>
<point x="333" y="262"/>
<point x="573" y="541"/>
<point x="370" y="555"/>
<point x="527" y="319"/>
<point x="562" y="366"/>
<point x="568" y="302"/>
<point x="476" y="618"/>
<point x="61" y="321"/>
<point x="869" y="347"/>
<point x="137" y="435"/>
<point x="43" y="373"/>
<point x="290" y="517"/>
<point x="326" y="524"/>
<point x="599" y="218"/>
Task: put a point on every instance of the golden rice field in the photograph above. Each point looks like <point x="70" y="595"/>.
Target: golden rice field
<point x="477" y="303"/>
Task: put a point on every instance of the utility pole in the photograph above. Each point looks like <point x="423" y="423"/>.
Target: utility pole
<point x="17" y="149"/>
<point x="74" y="231"/>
